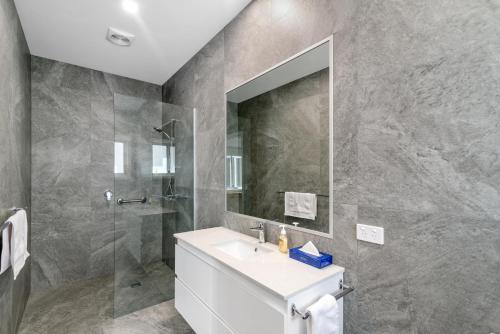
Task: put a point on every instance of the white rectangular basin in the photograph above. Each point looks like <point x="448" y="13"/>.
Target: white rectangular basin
<point x="241" y="249"/>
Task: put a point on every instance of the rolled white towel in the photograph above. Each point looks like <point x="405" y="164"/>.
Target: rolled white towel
<point x="324" y="316"/>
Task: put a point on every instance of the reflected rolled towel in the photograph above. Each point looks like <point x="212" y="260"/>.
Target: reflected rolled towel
<point x="301" y="205"/>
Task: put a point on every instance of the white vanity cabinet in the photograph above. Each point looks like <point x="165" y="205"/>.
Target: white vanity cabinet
<point x="218" y="298"/>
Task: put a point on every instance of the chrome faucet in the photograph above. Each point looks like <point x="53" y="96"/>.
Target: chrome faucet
<point x="260" y="228"/>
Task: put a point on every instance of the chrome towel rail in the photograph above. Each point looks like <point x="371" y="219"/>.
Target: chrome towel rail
<point x="319" y="195"/>
<point x="15" y="209"/>
<point x="341" y="292"/>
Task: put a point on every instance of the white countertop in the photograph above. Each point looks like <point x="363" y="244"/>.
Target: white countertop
<point x="274" y="270"/>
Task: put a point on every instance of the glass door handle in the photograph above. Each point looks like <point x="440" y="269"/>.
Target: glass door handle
<point x="121" y="201"/>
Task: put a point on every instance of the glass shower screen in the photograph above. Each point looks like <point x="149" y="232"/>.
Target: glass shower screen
<point x="153" y="172"/>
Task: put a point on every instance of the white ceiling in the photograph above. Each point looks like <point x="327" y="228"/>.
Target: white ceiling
<point x="167" y="33"/>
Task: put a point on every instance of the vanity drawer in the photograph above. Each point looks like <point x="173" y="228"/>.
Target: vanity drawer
<point x="200" y="277"/>
<point x="196" y="313"/>
<point x="228" y="296"/>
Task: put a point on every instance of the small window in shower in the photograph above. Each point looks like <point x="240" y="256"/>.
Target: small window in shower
<point x="234" y="174"/>
<point x="119" y="158"/>
<point x="160" y="159"/>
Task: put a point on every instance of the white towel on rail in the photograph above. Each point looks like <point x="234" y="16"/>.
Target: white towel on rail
<point x="325" y="316"/>
<point x="5" y="258"/>
<point x="301" y="205"/>
<point x="15" y="243"/>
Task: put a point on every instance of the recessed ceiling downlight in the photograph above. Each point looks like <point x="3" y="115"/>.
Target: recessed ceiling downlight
<point x="130" y="6"/>
<point x="118" y="37"/>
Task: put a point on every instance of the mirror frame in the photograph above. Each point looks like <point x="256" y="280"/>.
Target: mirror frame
<point x="328" y="40"/>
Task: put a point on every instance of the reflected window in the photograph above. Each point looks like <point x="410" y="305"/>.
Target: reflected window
<point x="171" y="162"/>
<point x="160" y="159"/>
<point x="234" y="172"/>
<point x="119" y="158"/>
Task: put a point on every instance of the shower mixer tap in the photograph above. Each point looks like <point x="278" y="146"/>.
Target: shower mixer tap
<point x="108" y="194"/>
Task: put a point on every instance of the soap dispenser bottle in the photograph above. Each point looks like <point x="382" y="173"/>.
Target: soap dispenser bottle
<point x="283" y="240"/>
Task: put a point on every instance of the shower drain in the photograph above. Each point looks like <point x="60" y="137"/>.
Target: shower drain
<point x="135" y="284"/>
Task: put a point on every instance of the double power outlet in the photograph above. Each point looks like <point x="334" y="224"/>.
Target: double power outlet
<point x="369" y="233"/>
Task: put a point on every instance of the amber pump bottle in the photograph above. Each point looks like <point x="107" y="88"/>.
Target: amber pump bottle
<point x="283" y="240"/>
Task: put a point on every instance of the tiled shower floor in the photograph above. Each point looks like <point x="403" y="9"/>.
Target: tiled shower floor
<point x="156" y="286"/>
<point x="87" y="307"/>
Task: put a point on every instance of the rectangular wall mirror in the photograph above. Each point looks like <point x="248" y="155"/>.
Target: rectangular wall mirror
<point x="279" y="143"/>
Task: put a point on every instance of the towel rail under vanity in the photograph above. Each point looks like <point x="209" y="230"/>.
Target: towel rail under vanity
<point x="341" y="292"/>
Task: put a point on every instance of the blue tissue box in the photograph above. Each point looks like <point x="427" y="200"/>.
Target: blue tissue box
<point x="321" y="261"/>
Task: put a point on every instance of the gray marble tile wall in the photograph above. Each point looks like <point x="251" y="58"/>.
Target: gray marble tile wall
<point x="199" y="84"/>
<point x="15" y="157"/>
<point x="416" y="147"/>
<point x="72" y="165"/>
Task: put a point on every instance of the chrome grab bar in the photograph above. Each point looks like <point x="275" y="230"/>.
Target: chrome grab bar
<point x="121" y="201"/>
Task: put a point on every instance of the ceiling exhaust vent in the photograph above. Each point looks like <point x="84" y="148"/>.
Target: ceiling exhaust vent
<point x="118" y="37"/>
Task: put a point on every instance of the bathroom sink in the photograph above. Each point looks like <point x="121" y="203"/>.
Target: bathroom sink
<point x="241" y="249"/>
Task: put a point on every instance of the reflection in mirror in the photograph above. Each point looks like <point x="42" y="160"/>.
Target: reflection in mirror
<point x="278" y="143"/>
<point x="160" y="159"/>
<point x="119" y="158"/>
